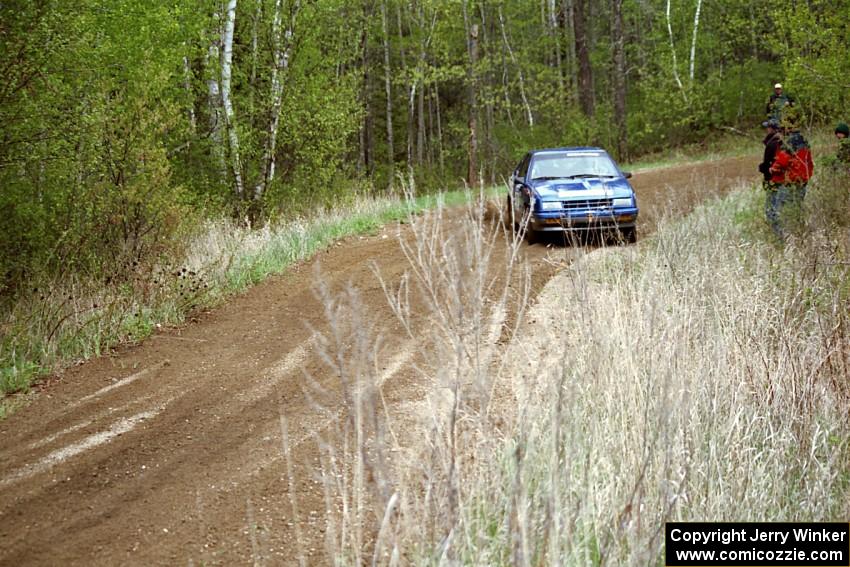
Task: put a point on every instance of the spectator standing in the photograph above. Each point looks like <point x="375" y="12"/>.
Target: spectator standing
<point x="842" y="134"/>
<point x="772" y="142"/>
<point x="790" y="173"/>
<point x="776" y="195"/>
<point x="777" y="102"/>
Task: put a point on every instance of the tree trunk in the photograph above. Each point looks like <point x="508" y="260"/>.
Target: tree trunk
<point x="389" y="94"/>
<point x="282" y="52"/>
<point x="585" y="72"/>
<point x="229" y="115"/>
<point x="420" y="129"/>
<point x="673" y="51"/>
<point x="556" y="37"/>
<point x="258" y="16"/>
<point x="212" y="66"/>
<point x="256" y="22"/>
<point x="366" y="127"/>
<point x="411" y="89"/>
<point x="420" y="67"/>
<point x="619" y="81"/>
<point x="214" y="91"/>
<point x="429" y="131"/>
<point x="472" y="149"/>
<point x="362" y="160"/>
<point x="411" y="122"/>
<point x="439" y="130"/>
<point x="527" y="106"/>
<point x="569" y="30"/>
<point x="694" y="43"/>
<point x="506" y="91"/>
<point x="187" y="86"/>
<point x="488" y="169"/>
<point x="472" y="174"/>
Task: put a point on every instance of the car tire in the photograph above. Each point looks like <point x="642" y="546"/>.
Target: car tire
<point x="510" y="222"/>
<point x="530" y="233"/>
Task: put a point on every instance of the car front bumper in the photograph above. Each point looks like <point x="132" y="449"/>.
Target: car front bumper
<point x="584" y="220"/>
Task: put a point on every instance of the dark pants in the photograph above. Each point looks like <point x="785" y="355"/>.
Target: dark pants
<point x="783" y="200"/>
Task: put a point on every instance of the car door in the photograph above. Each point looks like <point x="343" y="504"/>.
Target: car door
<point x="520" y="183"/>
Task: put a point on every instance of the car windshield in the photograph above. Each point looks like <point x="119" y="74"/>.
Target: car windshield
<point x="563" y="165"/>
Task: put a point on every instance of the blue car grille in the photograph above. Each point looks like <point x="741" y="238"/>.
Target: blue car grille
<point x="582" y="204"/>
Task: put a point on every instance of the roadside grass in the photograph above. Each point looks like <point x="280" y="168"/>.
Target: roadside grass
<point x="74" y="318"/>
<point x="727" y="145"/>
<point x="724" y="145"/>
<point x="699" y="376"/>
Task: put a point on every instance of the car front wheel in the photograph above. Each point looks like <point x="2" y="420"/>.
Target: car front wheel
<point x="530" y="233"/>
<point x="510" y="221"/>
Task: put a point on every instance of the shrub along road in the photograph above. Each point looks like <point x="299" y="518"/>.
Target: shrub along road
<point x="171" y="451"/>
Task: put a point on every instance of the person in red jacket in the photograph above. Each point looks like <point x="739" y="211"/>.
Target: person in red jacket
<point x="790" y="173"/>
<point x="777" y="194"/>
<point x="794" y="160"/>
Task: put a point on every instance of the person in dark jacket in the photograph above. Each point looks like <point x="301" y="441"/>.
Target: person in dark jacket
<point x="777" y="102"/>
<point x="840" y="161"/>
<point x="772" y="141"/>
<point x="777" y="194"/>
<point x="842" y="134"/>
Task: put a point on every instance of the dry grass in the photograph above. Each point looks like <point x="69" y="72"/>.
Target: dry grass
<point x="394" y="474"/>
<point x="700" y="376"/>
<point x="692" y="379"/>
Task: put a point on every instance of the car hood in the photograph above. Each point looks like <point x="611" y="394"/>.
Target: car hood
<point x="591" y="187"/>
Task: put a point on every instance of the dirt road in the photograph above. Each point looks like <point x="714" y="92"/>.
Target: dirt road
<point x="171" y="452"/>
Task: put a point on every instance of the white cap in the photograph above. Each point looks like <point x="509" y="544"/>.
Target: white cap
<point x="777" y="86"/>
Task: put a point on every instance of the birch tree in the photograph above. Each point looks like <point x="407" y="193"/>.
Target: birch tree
<point x="212" y="66"/>
<point x="529" y="115"/>
<point x="365" y="158"/>
<point x="187" y="86"/>
<point x="282" y="51"/>
<point x="424" y="47"/>
<point x="388" y="89"/>
<point x="472" y="94"/>
<point x="410" y="86"/>
<point x="230" y="118"/>
<point x="420" y="72"/>
<point x="585" y="71"/>
<point x="673" y="52"/>
<point x="619" y="79"/>
<point x="556" y="35"/>
<point x="439" y="118"/>
<point x="694" y="43"/>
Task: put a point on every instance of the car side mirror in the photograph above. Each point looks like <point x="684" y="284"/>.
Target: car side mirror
<point x="627" y="174"/>
<point x="519" y="179"/>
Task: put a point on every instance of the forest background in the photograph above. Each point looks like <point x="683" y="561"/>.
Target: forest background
<point x="127" y="125"/>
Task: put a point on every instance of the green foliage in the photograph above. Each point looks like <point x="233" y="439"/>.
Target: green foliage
<point x="812" y="40"/>
<point x="18" y="376"/>
<point x="85" y="166"/>
<point x="315" y="171"/>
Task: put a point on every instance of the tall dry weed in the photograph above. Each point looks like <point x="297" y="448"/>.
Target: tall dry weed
<point x="396" y="476"/>
<point x="700" y="376"/>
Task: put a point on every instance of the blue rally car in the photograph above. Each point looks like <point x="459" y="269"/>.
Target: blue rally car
<point x="572" y="189"/>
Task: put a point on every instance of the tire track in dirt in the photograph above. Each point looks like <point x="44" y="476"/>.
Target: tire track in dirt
<point x="171" y="451"/>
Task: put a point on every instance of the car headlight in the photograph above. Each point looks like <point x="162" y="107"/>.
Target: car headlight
<point x="550" y="205"/>
<point x="627" y="202"/>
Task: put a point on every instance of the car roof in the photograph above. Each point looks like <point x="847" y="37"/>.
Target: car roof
<point x="569" y="149"/>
